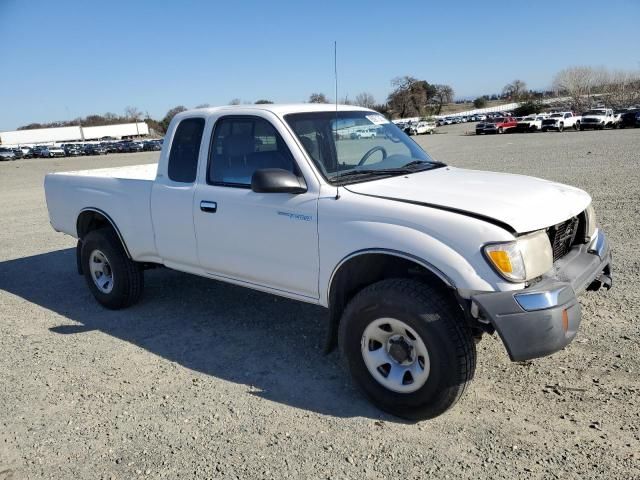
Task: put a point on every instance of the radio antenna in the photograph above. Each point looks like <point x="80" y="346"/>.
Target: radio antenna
<point x="335" y="135"/>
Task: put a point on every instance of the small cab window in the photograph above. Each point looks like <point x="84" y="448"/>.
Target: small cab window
<point x="242" y="145"/>
<point x="185" y="148"/>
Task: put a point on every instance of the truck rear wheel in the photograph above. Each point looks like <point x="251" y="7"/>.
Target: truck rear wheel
<point x="407" y="348"/>
<point x="115" y="280"/>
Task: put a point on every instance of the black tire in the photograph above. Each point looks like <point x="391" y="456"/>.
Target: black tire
<point x="576" y="126"/>
<point x="581" y="128"/>
<point x="560" y="127"/>
<point x="439" y="323"/>
<point x="128" y="276"/>
<point x="544" y="130"/>
<point x="500" y="130"/>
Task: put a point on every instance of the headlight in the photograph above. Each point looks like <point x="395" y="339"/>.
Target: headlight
<point x="592" y="224"/>
<point x="523" y="259"/>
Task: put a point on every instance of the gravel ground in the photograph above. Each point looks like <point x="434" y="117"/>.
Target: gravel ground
<point x="207" y="380"/>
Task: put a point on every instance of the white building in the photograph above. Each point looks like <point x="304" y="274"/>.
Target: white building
<point x="73" y="134"/>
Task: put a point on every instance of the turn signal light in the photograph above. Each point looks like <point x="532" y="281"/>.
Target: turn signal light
<point x="500" y="259"/>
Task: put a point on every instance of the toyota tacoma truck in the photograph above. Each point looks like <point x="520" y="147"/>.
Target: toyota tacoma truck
<point x="560" y="121"/>
<point x="415" y="260"/>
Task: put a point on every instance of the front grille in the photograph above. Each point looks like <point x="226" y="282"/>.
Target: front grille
<point x="562" y="237"/>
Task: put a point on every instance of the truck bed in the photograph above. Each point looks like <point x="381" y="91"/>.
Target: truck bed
<point x="124" y="192"/>
<point x="132" y="172"/>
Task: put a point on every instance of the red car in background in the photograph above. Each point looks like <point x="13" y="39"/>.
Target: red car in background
<point x="498" y="125"/>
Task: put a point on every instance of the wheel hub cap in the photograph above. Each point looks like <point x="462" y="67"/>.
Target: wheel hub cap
<point x="400" y="350"/>
<point x="395" y="355"/>
<point x="101" y="272"/>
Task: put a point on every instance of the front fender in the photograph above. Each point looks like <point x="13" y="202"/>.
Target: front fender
<point x="447" y="243"/>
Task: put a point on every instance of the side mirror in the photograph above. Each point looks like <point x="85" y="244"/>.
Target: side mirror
<point x="276" y="180"/>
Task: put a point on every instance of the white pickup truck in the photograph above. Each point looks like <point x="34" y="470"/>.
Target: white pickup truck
<point x="560" y="121"/>
<point x="423" y="127"/>
<point x="599" y="119"/>
<point x="414" y="260"/>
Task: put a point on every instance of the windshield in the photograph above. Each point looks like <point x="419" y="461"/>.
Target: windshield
<point x="596" y="112"/>
<point x="556" y="115"/>
<point x="358" y="145"/>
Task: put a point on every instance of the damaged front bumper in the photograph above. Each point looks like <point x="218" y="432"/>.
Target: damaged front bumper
<point x="545" y="317"/>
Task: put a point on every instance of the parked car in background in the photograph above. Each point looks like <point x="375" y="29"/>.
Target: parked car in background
<point x="131" y="146"/>
<point x="598" y="118"/>
<point x="560" y="121"/>
<point x="38" y="151"/>
<point x="630" y="118"/>
<point x="152" y="145"/>
<point x="480" y="117"/>
<point x="52" y="151"/>
<point x="110" y="147"/>
<point x="423" y="127"/>
<point x="94" y="149"/>
<point x="500" y="125"/>
<point x="7" y="154"/>
<point x="27" y="152"/>
<point x="72" y="150"/>
<point x="18" y="153"/>
<point x="530" y="123"/>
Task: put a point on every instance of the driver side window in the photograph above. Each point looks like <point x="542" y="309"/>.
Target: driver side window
<point x="242" y="145"/>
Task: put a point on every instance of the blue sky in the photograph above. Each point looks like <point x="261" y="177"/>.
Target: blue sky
<point x="61" y="59"/>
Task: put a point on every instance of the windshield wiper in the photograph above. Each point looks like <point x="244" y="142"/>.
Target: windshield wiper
<point x="431" y="163"/>
<point x="408" y="168"/>
<point x="382" y="171"/>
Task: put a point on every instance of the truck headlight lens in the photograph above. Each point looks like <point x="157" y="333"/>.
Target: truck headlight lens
<point x="592" y="224"/>
<point x="523" y="259"/>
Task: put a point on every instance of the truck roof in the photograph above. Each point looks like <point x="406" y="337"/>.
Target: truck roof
<point x="278" y="109"/>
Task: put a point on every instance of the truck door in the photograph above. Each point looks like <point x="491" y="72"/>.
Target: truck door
<point x="267" y="240"/>
<point x="172" y="196"/>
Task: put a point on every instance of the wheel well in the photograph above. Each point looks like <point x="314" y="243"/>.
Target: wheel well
<point x="366" y="269"/>
<point x="90" y="220"/>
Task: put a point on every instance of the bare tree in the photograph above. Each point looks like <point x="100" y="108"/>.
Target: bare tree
<point x="263" y="102"/>
<point x="132" y="113"/>
<point x="365" y="100"/>
<point x="235" y="101"/>
<point x="410" y="96"/>
<point x="443" y="95"/>
<point x="576" y="83"/>
<point x="203" y="105"/>
<point x="318" y="98"/>
<point x="515" y="90"/>
<point x="623" y="88"/>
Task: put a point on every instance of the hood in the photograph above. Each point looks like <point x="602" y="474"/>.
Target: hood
<point x="516" y="202"/>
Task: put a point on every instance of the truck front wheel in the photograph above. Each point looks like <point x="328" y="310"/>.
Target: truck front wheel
<point x="115" y="280"/>
<point x="408" y="348"/>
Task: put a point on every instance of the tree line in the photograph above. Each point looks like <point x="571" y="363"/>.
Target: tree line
<point x="413" y="97"/>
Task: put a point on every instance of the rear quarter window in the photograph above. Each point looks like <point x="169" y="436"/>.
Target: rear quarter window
<point x="185" y="150"/>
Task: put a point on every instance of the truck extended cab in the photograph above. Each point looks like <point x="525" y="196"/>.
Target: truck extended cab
<point x="414" y="260"/>
<point x="560" y="121"/>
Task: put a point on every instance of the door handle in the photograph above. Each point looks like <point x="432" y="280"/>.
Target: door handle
<point x="209" y="207"/>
